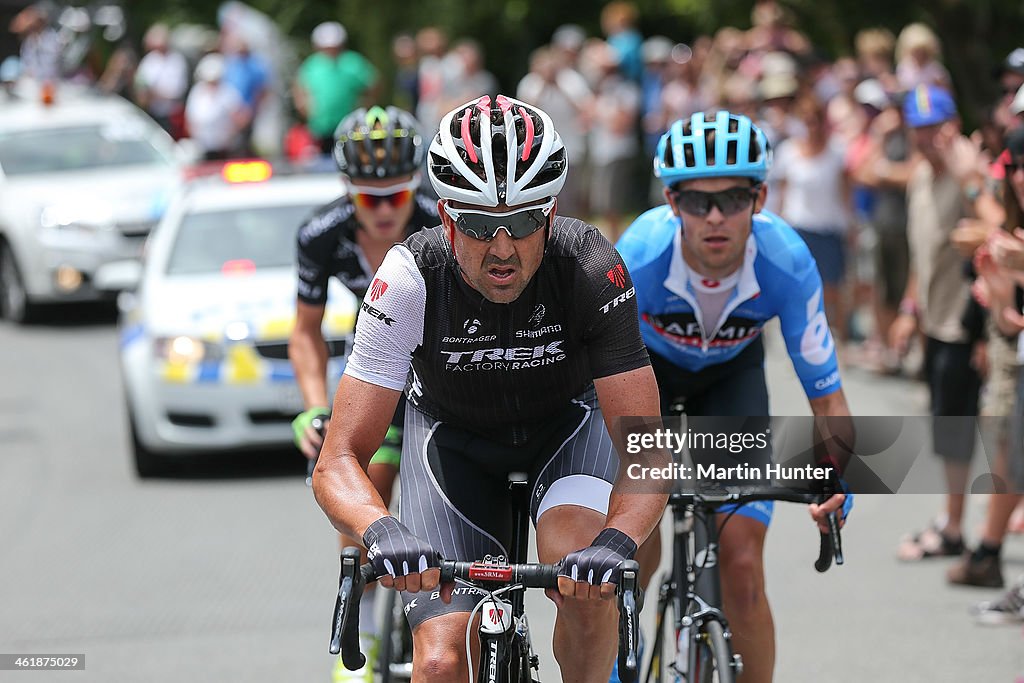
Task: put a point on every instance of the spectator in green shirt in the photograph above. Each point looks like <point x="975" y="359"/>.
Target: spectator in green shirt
<point x="331" y="82"/>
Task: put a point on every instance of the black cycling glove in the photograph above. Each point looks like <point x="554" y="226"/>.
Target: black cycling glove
<point x="597" y="563"/>
<point x="395" y="551"/>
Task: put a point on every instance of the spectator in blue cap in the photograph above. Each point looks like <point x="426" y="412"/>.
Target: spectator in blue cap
<point x="943" y="185"/>
<point x="928" y="105"/>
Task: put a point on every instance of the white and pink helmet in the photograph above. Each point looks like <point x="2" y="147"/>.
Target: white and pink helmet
<point x="505" y="152"/>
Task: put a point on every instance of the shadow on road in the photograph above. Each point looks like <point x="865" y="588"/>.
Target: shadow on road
<point x="99" y="314"/>
<point x="248" y="464"/>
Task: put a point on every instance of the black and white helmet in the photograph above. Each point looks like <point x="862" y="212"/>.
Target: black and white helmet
<point x="378" y="143"/>
<point x="505" y="152"/>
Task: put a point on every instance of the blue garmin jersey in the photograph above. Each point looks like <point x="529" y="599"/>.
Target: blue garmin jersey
<point x="779" y="278"/>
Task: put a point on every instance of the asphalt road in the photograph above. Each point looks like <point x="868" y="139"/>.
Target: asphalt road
<point x="227" y="571"/>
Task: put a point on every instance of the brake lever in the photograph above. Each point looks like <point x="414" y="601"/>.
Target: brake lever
<point x="630" y="603"/>
<point x="345" y="626"/>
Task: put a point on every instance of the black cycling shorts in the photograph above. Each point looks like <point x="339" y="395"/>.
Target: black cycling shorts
<point x="455" y="486"/>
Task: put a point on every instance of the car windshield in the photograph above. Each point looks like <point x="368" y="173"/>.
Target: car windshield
<point x="119" y="143"/>
<point x="237" y="239"/>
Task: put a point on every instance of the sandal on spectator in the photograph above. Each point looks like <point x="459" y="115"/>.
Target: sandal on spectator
<point x="928" y="544"/>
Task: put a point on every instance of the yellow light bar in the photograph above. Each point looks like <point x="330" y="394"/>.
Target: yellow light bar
<point x="246" y="171"/>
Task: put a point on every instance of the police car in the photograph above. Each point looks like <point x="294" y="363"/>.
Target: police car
<point x="83" y="178"/>
<point x="204" y="337"/>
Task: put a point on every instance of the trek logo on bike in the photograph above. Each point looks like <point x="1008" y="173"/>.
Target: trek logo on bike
<point x="498" y="616"/>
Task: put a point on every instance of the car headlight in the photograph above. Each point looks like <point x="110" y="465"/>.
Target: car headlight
<point x="86" y="217"/>
<point x="185" y="349"/>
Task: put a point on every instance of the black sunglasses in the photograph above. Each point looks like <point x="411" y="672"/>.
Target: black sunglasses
<point x="484" y="225"/>
<point x="729" y="201"/>
<point x="1012" y="167"/>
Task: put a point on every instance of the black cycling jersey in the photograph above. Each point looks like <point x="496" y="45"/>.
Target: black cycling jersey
<point x="327" y="246"/>
<point x="500" y="370"/>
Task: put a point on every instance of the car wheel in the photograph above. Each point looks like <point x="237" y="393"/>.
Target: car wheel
<point x="14" y="302"/>
<point x="147" y="463"/>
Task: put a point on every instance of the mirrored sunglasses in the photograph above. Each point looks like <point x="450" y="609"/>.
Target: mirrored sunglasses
<point x="484" y="225"/>
<point x="368" y="197"/>
<point x="730" y="201"/>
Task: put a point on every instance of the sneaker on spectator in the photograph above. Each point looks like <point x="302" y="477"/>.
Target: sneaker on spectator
<point x="1007" y="610"/>
<point x="970" y="571"/>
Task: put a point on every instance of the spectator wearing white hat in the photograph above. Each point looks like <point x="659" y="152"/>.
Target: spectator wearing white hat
<point x="1010" y="75"/>
<point x="331" y="82"/>
<point x="215" y="112"/>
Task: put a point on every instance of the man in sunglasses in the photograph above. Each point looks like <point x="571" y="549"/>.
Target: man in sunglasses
<point x="710" y="271"/>
<point x="379" y="152"/>
<point x="521" y="332"/>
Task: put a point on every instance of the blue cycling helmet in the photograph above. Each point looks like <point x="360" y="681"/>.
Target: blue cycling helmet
<point x="740" y="149"/>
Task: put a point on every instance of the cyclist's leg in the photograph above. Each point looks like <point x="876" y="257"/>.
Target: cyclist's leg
<point x="462" y="511"/>
<point x="439" y="649"/>
<point x="743" y="594"/>
<point x="570" y="505"/>
<point x="745" y="393"/>
<point x="585" y="637"/>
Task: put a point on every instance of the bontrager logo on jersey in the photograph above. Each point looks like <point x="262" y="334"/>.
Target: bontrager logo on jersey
<point x="377" y="289"/>
<point x="621" y="298"/>
<point x="471" y="326"/>
<point x="516" y="358"/>
<point x="617" y="275"/>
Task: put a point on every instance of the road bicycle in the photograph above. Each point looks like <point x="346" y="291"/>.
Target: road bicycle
<point x="506" y="652"/>
<point x="693" y="590"/>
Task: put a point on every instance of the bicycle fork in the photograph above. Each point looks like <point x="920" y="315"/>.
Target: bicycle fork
<point x="495" y="639"/>
<point x="698" y="592"/>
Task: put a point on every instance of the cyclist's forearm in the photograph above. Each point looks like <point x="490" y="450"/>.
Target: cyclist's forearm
<point x="834" y="427"/>
<point x="346" y="495"/>
<point x="635" y="514"/>
<point x="308" y="356"/>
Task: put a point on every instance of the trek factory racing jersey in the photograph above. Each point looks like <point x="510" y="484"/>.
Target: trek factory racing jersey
<point x="327" y="246"/>
<point x="779" y="278"/>
<point x="499" y="370"/>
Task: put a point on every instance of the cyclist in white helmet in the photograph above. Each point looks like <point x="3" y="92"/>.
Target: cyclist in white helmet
<point x="521" y="336"/>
